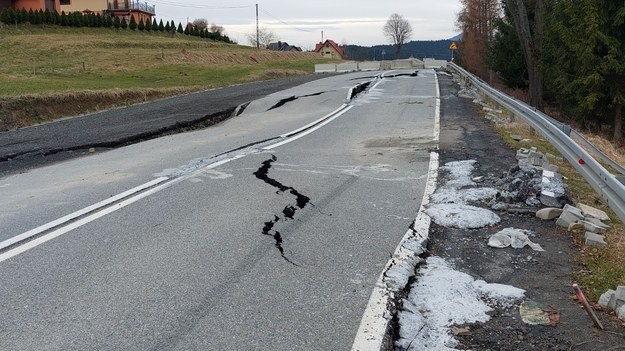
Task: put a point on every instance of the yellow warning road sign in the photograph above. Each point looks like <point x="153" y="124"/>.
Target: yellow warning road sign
<point x="453" y="46"/>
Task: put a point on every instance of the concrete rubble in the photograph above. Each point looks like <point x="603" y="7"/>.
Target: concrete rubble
<point x="614" y="300"/>
<point x="577" y="219"/>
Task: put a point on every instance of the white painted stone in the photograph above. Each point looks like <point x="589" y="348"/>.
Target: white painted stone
<point x="566" y="219"/>
<point x="574" y="211"/>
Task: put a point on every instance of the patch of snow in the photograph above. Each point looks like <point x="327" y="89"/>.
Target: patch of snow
<point x="459" y="173"/>
<point x="450" y="203"/>
<point x="462" y="216"/>
<point x="443" y="297"/>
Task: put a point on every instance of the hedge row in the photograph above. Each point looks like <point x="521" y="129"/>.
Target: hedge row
<point x="78" y="19"/>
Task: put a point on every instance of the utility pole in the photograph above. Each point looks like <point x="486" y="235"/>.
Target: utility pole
<point x="257" y="30"/>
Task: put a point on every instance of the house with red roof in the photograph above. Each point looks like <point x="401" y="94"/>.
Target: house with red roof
<point x="330" y="49"/>
<point x="35" y="5"/>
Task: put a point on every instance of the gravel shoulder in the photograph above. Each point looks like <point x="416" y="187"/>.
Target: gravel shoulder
<point x="546" y="276"/>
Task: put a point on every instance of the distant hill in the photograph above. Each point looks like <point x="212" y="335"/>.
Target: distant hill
<point x="437" y="49"/>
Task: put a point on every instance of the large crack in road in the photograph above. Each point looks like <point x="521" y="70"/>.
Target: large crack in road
<point x="301" y="201"/>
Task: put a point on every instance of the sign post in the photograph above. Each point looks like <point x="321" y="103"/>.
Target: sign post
<point x="453" y="47"/>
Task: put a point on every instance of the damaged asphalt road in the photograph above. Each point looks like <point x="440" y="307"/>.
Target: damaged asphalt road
<point x="39" y="145"/>
<point x="182" y="242"/>
<point x="301" y="201"/>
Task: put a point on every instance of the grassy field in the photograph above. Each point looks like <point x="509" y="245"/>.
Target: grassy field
<point x="62" y="62"/>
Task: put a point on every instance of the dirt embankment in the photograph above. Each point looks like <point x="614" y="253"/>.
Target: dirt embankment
<point x="22" y="111"/>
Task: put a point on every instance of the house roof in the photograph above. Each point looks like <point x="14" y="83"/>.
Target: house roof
<point x="282" y="46"/>
<point x="332" y="44"/>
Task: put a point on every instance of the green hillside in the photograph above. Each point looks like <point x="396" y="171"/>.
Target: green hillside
<point x="89" y="69"/>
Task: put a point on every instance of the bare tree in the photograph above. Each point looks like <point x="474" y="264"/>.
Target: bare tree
<point x="215" y="29"/>
<point x="200" y="23"/>
<point x="265" y="37"/>
<point x="398" y="31"/>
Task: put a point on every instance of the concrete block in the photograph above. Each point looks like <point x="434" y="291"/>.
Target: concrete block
<point x="620" y="293"/>
<point x="608" y="299"/>
<point x="369" y="66"/>
<point x="533" y="149"/>
<point x="325" y="68"/>
<point x="566" y="219"/>
<point x="347" y="67"/>
<point x="621" y="313"/>
<point x="522" y="154"/>
<point x="549" y="167"/>
<point x="574" y="211"/>
<point x="516" y="137"/>
<point x="593" y="228"/>
<point x="549" y="213"/>
<point x="597" y="222"/>
<point x="549" y="198"/>
<point x="589" y="211"/>
<point x="596" y="240"/>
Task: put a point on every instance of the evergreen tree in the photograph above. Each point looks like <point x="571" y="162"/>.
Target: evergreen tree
<point x="180" y="30"/>
<point x="161" y="26"/>
<point x="30" y="17"/>
<point x="141" y="25"/>
<point x="22" y="16"/>
<point x="505" y="56"/>
<point x="109" y="21"/>
<point x="6" y="15"/>
<point x="47" y="17"/>
<point x="167" y="27"/>
<point x="186" y="30"/>
<point x="99" y="21"/>
<point x="79" y="20"/>
<point x="63" y="21"/>
<point x="124" y="24"/>
<point x="148" y="25"/>
<point x="56" y="18"/>
<point x="117" y="23"/>
<point x="133" y="23"/>
<point x="154" y="25"/>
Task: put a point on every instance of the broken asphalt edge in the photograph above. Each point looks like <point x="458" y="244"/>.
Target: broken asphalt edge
<point x="376" y="330"/>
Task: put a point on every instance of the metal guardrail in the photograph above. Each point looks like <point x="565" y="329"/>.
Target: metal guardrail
<point x="612" y="191"/>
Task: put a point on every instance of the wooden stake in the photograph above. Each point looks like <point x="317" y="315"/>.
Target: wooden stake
<point x="584" y="302"/>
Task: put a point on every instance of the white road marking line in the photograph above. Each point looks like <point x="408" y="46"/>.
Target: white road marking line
<point x="437" y="112"/>
<point x="103" y="210"/>
<point x="79" y="213"/>
<point x="300" y="135"/>
<point x="374" y="322"/>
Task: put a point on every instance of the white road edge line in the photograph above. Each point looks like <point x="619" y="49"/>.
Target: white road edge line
<point x="371" y="334"/>
<point x="437" y="112"/>
<point x="107" y="210"/>
<point x="373" y="327"/>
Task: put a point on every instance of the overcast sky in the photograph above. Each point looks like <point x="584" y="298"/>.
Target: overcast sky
<point x="301" y="22"/>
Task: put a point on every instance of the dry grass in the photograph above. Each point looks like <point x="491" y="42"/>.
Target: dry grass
<point x="63" y="71"/>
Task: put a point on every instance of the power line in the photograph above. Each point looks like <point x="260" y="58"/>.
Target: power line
<point x="286" y="24"/>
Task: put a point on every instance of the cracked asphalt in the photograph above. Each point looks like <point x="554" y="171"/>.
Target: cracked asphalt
<point x="39" y="145"/>
<point x="185" y="265"/>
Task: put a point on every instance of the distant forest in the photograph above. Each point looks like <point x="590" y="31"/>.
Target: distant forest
<point x="437" y="49"/>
